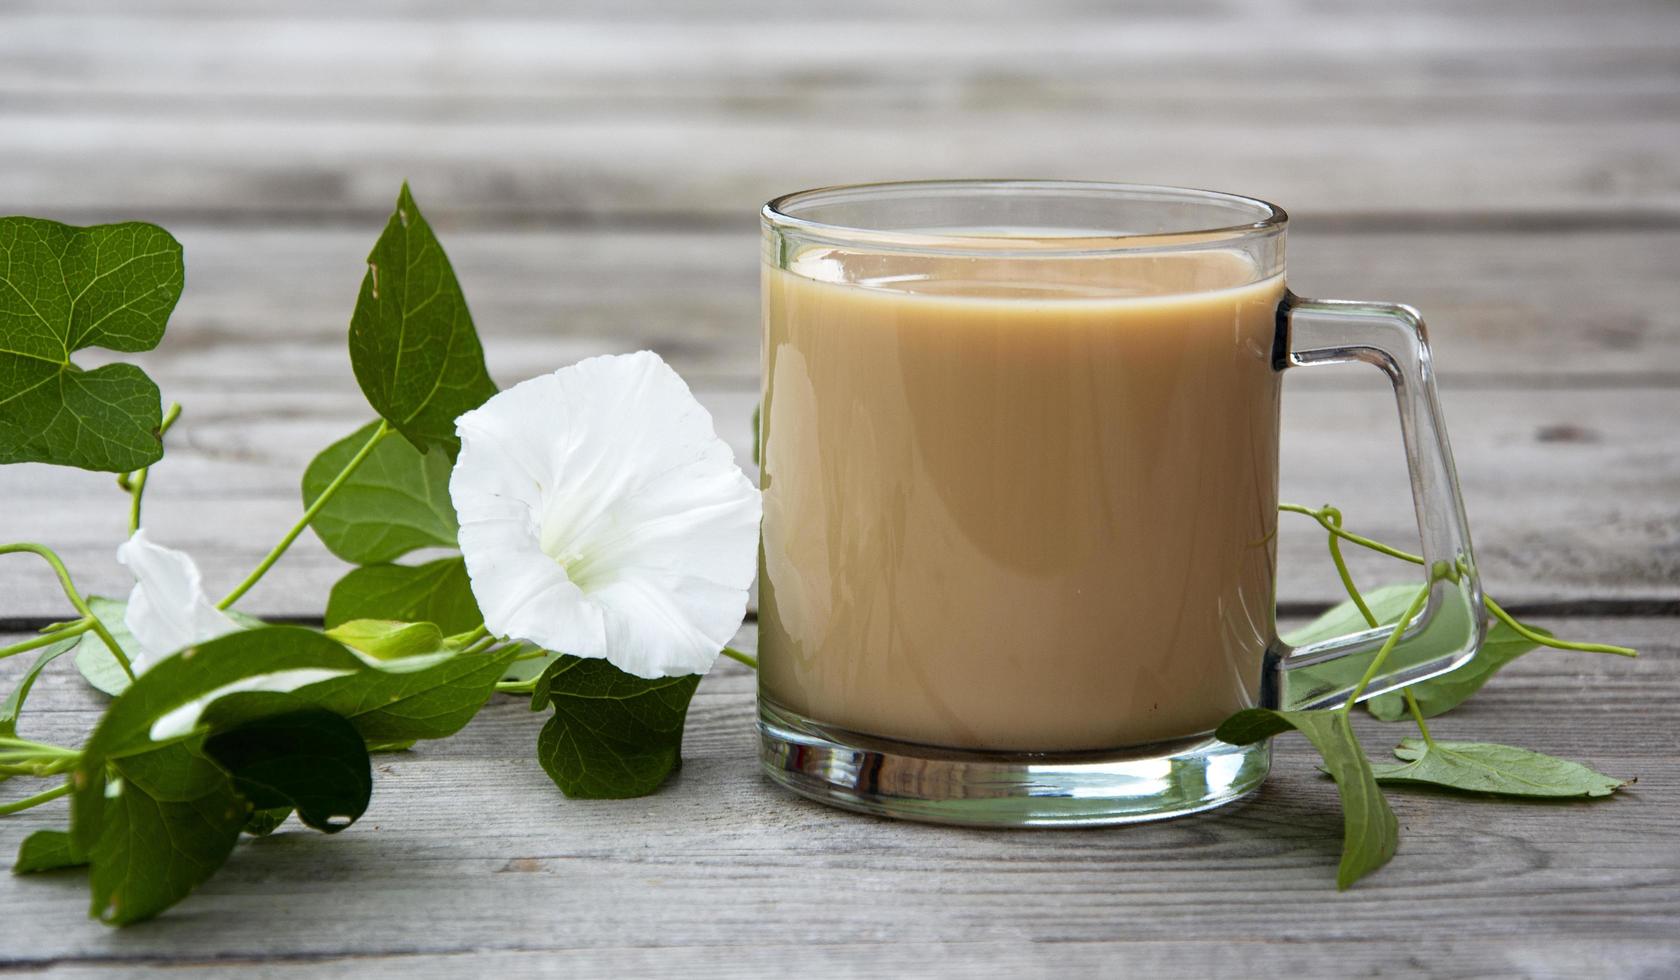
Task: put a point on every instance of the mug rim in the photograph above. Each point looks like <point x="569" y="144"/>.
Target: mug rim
<point x="780" y="213"/>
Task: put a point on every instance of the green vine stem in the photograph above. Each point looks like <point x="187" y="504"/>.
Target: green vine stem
<point x="1335" y="544"/>
<point x="18" y="806"/>
<point x="136" y="485"/>
<point x="75" y="597"/>
<point x="46" y="639"/>
<point x="1334" y="527"/>
<point x="22" y="757"/>
<point x="338" y="481"/>
<point x="1388" y="646"/>
<point x="1417" y="716"/>
<point x="739" y="657"/>
<point x="481" y="645"/>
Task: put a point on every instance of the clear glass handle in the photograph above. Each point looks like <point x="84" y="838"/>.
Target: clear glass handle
<point x="1451" y="627"/>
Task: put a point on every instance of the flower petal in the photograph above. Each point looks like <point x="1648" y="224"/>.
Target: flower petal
<point x="167" y="609"/>
<point x="602" y="516"/>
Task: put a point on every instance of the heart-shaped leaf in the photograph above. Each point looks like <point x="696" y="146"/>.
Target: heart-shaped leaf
<point x="1436" y="695"/>
<point x="47" y="850"/>
<point x="64" y="289"/>
<point x="412" y="342"/>
<point x="1386" y="603"/>
<point x="386" y="639"/>
<point x="1444" y="692"/>
<point x="172" y="822"/>
<point x="613" y="735"/>
<point x="93" y="657"/>
<point x="397" y="500"/>
<point x="436" y="592"/>
<point x="1370" y="832"/>
<point x="265" y="822"/>
<point x="1486" y="767"/>
<point x="415" y="697"/>
<point x="305" y="759"/>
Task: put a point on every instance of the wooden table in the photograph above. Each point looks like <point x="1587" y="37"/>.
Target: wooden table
<point x="1513" y="169"/>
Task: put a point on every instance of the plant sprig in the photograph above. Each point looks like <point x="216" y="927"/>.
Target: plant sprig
<point x="1370" y="835"/>
<point x="236" y="733"/>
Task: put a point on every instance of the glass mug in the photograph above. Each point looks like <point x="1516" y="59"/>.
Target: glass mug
<point x="1019" y="454"/>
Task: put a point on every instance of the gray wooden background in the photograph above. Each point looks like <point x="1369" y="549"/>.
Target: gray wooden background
<point x="1512" y="167"/>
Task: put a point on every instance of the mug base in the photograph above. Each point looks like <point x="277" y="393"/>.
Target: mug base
<point x="1004" y="789"/>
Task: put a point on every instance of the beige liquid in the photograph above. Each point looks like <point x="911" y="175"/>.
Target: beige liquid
<point x="1027" y="516"/>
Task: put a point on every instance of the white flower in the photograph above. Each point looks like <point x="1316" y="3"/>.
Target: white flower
<point x="168" y="609"/>
<point x="601" y="516"/>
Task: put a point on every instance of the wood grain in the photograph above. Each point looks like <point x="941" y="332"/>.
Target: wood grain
<point x="1512" y="167"/>
<point x="1555" y="394"/>
<point x="595" y="114"/>
<point x="1589" y="516"/>
<point x="468" y="848"/>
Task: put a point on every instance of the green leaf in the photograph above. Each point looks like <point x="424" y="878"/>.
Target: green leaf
<point x="14" y="703"/>
<point x="397" y="500"/>
<point x="1485" y="767"/>
<point x="387" y="639"/>
<point x="172" y="823"/>
<point x="427" y="696"/>
<point x="1370" y="832"/>
<point x="1386" y="602"/>
<point x="93" y="657"/>
<point x="1444" y="692"/>
<point x="309" y="760"/>
<point x="412" y="342"/>
<point x="265" y="822"/>
<point x="531" y="669"/>
<point x="612" y="735"/>
<point x="65" y="289"/>
<point x="436" y="592"/>
<point x="47" y="850"/>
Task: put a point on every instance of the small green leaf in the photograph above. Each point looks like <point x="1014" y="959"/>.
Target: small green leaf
<point x="1485" y="767"/>
<point x="265" y="822"/>
<point x="93" y="657"/>
<point x="416" y="697"/>
<point x="436" y="592"/>
<point x="1386" y="602"/>
<point x="14" y="703"/>
<point x="1370" y="832"/>
<point x="612" y="735"/>
<point x="1444" y="692"/>
<point x="47" y="850"/>
<point x="396" y="501"/>
<point x="387" y="639"/>
<point x="529" y="670"/>
<point x="412" y="342"/>
<point x="64" y="289"/>
<point x="309" y="760"/>
<point x="172" y="823"/>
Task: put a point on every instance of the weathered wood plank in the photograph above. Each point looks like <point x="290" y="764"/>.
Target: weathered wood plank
<point x="1560" y="358"/>
<point x="267" y="308"/>
<point x="660" y="167"/>
<point x="1570" y="492"/>
<point x="1445" y="957"/>
<point x="937" y="55"/>
<point x="468" y="854"/>
<point x="1373" y="108"/>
